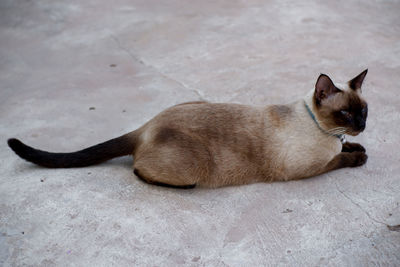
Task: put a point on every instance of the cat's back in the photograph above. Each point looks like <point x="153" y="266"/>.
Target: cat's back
<point x="214" y="124"/>
<point x="198" y="115"/>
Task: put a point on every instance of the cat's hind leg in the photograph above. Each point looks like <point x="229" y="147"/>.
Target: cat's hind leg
<point x="154" y="182"/>
<point x="172" y="159"/>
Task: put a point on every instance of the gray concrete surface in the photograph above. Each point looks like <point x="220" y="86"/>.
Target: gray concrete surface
<point x="75" y="73"/>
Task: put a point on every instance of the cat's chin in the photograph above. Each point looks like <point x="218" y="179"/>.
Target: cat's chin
<point x="353" y="133"/>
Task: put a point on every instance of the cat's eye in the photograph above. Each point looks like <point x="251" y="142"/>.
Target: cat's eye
<point x="364" y="110"/>
<point x="345" y="113"/>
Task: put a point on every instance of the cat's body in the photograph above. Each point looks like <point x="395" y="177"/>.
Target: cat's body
<point x="227" y="144"/>
<point x="213" y="145"/>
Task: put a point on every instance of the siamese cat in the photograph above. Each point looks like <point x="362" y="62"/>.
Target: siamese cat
<point x="216" y="144"/>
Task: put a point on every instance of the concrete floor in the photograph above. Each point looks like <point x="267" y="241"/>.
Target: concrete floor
<point x="75" y="73"/>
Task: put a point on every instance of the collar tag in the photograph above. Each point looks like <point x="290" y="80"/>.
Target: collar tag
<point x="342" y="139"/>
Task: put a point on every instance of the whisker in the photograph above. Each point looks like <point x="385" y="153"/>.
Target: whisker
<point x="336" y="130"/>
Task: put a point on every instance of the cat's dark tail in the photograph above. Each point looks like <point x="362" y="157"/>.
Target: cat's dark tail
<point x="117" y="147"/>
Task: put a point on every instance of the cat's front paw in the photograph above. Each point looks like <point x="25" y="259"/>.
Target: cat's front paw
<point x="352" y="147"/>
<point x="359" y="158"/>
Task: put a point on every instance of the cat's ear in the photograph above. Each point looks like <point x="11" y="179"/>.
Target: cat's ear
<point x="324" y="88"/>
<point x="356" y="82"/>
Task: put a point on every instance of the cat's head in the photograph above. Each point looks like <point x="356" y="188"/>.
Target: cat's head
<point x="341" y="106"/>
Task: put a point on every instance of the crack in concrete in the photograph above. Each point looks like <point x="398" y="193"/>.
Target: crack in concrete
<point x="135" y="58"/>
<point x="359" y="206"/>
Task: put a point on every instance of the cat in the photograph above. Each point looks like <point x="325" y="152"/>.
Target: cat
<point x="216" y="144"/>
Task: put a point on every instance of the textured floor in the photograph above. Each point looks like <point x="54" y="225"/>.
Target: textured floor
<point x="75" y="73"/>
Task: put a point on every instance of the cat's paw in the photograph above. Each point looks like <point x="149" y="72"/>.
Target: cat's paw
<point x="352" y="147"/>
<point x="359" y="158"/>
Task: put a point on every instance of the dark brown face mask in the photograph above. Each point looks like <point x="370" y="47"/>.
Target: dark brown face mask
<point x="341" y="107"/>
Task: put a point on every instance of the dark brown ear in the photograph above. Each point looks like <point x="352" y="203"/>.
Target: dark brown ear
<point x="324" y="88"/>
<point x="356" y="82"/>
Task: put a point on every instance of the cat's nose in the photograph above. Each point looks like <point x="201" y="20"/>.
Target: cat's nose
<point x="361" y="126"/>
